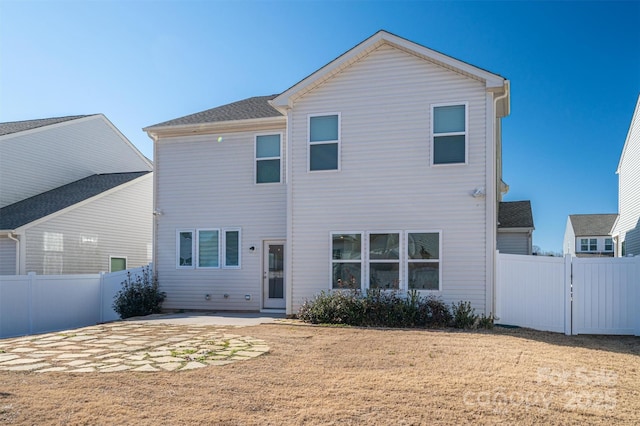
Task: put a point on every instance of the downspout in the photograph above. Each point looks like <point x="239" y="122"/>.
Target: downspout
<point x="17" y="240"/>
<point x="494" y="220"/>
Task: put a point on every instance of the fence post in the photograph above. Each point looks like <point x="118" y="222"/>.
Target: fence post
<point x="568" y="296"/>
<point x="101" y="319"/>
<point x="32" y="281"/>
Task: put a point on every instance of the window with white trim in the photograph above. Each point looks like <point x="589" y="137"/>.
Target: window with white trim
<point x="208" y="248"/>
<point x="408" y="260"/>
<point x="268" y="156"/>
<point x="608" y="244"/>
<point x="117" y="263"/>
<point x="346" y="260"/>
<point x="588" y="244"/>
<point x="232" y="248"/>
<point x="449" y="134"/>
<point x="384" y="260"/>
<point x="324" y="142"/>
<point x="423" y="260"/>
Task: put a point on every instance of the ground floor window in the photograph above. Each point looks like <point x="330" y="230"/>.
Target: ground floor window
<point x="117" y="264"/>
<point x="208" y="248"/>
<point x="397" y="260"/>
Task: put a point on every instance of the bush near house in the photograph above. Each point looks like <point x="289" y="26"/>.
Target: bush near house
<point x="139" y="296"/>
<point x="377" y="308"/>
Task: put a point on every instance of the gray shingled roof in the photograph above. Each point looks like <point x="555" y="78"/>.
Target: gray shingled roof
<point x="26" y="211"/>
<point x="591" y="225"/>
<point x="20" y="126"/>
<point x="246" y="109"/>
<point x="515" y="214"/>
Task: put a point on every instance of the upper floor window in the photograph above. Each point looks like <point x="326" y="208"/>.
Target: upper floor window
<point x="268" y="155"/>
<point x="449" y="130"/>
<point x="324" y="142"/>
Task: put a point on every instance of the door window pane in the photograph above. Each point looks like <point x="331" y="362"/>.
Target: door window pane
<point x="276" y="271"/>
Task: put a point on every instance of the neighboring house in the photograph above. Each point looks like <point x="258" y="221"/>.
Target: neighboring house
<point x="381" y="169"/>
<point x="75" y="197"/>
<point x="627" y="229"/>
<point x="515" y="227"/>
<point x="589" y="235"/>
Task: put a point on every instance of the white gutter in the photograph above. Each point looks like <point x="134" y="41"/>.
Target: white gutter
<point x="493" y="240"/>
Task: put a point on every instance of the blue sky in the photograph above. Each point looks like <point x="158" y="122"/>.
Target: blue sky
<point x="574" y="69"/>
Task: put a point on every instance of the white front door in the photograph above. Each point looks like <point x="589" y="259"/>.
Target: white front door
<point x="273" y="278"/>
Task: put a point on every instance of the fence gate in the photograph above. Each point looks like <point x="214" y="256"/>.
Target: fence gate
<point x="570" y="295"/>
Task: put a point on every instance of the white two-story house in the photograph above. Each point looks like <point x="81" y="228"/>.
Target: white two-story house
<point x="381" y="169"/>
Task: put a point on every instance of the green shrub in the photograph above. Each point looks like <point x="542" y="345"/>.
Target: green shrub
<point x="139" y="296"/>
<point x="377" y="308"/>
<point x="464" y="316"/>
<point x="486" y="321"/>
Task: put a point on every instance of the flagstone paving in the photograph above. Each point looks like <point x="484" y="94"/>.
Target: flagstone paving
<point x="125" y="346"/>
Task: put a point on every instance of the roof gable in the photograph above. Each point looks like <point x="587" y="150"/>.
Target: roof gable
<point x="591" y="225"/>
<point x="21" y="126"/>
<point x="286" y="99"/>
<point x="26" y="211"/>
<point x="515" y="214"/>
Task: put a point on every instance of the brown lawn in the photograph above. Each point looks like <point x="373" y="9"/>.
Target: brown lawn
<point x="323" y="375"/>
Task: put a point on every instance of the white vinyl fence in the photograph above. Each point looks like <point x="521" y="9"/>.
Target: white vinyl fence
<point x="570" y="295"/>
<point x="31" y="304"/>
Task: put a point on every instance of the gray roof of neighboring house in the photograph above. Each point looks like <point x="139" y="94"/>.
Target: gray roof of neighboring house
<point x="21" y="126"/>
<point x="515" y="214"/>
<point x="246" y="109"/>
<point x="26" y="211"/>
<point x="591" y="225"/>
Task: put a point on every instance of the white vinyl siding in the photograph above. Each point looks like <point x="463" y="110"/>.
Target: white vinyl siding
<point x="45" y="158"/>
<point x="203" y="183"/>
<point x="7" y="256"/>
<point x="628" y="226"/>
<point x="117" y="222"/>
<point x="513" y="243"/>
<point x="385" y="181"/>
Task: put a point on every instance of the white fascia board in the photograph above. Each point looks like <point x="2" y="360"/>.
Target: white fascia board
<point x="514" y="230"/>
<point x="285" y="99"/>
<point x="215" y="127"/>
<point x="53" y="215"/>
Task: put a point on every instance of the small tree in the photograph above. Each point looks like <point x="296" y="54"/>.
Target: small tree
<point x="139" y="296"/>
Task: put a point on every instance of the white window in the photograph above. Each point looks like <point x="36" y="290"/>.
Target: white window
<point x="185" y="248"/>
<point x="449" y="134"/>
<point x="117" y="263"/>
<point x="423" y="260"/>
<point x="588" y="244"/>
<point x="346" y="260"/>
<point x="402" y="261"/>
<point x="268" y="156"/>
<point x="608" y="244"/>
<point x="232" y="247"/>
<point x="324" y="142"/>
<point x="208" y="248"/>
